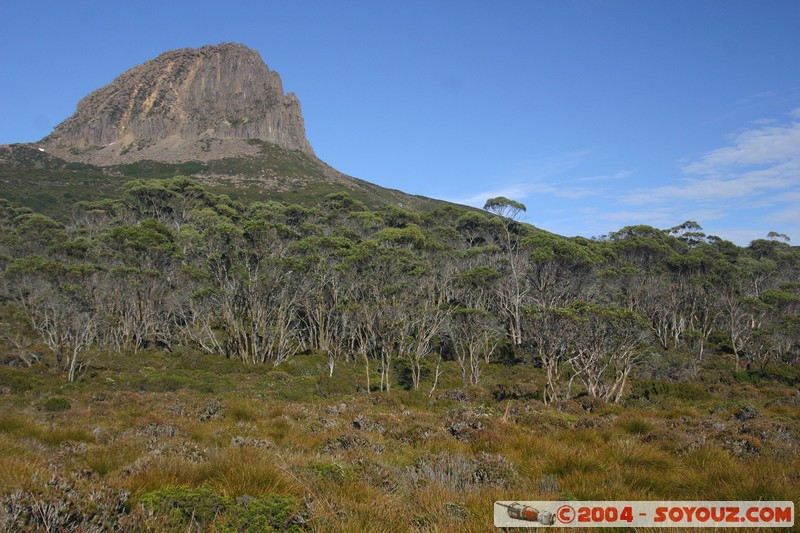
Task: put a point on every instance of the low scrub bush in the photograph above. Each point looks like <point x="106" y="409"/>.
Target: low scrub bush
<point x="62" y="506"/>
<point x="653" y="390"/>
<point x="56" y="404"/>
<point x="181" y="507"/>
<point x="461" y="472"/>
<point x="184" y="508"/>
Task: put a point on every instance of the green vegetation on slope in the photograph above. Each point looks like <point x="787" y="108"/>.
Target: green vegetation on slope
<point x="51" y="185"/>
<point x="189" y="359"/>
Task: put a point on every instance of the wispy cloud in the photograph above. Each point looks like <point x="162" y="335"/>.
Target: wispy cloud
<point x="739" y="191"/>
<point x="761" y="161"/>
<point x="758" y="170"/>
<point x="520" y="191"/>
<point x="722" y="184"/>
<point x="608" y="177"/>
<point x="542" y="177"/>
<point x="478" y="199"/>
<point x="768" y="145"/>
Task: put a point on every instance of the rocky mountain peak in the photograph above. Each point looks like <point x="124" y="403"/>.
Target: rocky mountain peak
<point x="188" y="104"/>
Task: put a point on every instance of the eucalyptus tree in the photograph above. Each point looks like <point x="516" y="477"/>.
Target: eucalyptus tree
<point x="512" y="293"/>
<point x="562" y="270"/>
<point x="147" y="245"/>
<point x="689" y="232"/>
<point x="550" y="335"/>
<point x="372" y="311"/>
<point x="776" y="318"/>
<point x="132" y="304"/>
<point x="474" y="288"/>
<point x="701" y="274"/>
<point x="475" y="335"/>
<point x="170" y="201"/>
<point x="420" y="299"/>
<point x="57" y="301"/>
<point x="607" y="346"/>
<point x="32" y="234"/>
<point x="322" y="294"/>
<point x="249" y="304"/>
<point x="473" y="228"/>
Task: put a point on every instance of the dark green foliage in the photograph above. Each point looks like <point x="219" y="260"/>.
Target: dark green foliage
<point x="331" y="471"/>
<point x="656" y="390"/>
<point x="171" y="383"/>
<point x="272" y="513"/>
<point x="56" y="404"/>
<point x="636" y="426"/>
<point x="182" y="507"/>
<point x="185" y="506"/>
<point x="171" y="264"/>
<point x="18" y="380"/>
<point x="504" y="207"/>
<point x="404" y="372"/>
<point x="150" y="235"/>
<point x="784" y="374"/>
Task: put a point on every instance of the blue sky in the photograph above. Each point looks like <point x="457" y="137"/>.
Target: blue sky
<point x="595" y="114"/>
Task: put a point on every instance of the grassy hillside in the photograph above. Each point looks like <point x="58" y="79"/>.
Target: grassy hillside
<point x="186" y="441"/>
<point x="177" y="360"/>
<point x="50" y="185"/>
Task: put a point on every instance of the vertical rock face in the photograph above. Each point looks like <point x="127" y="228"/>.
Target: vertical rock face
<point x="185" y="104"/>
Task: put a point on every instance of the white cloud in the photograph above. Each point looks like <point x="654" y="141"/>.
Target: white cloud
<point x="608" y="177"/>
<point x="768" y="145"/>
<point x="719" y="186"/>
<point x="478" y="199"/>
<point x="760" y="162"/>
<point x="521" y="191"/>
<point x="751" y="183"/>
<point x="741" y="237"/>
<point x="540" y="177"/>
<point x="785" y="216"/>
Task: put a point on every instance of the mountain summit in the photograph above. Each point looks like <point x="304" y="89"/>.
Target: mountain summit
<point x="216" y="114"/>
<point x="189" y="104"/>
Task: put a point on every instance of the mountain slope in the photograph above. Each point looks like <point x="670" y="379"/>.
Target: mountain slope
<point x="49" y="184"/>
<point x="217" y="114"/>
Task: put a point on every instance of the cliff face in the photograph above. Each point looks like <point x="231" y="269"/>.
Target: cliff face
<point x="189" y="104"/>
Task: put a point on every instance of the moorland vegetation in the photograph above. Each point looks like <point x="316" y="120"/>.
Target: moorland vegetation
<point x="174" y="359"/>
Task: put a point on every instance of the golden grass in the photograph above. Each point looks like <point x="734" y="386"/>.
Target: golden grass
<point x="249" y="471"/>
<point x="360" y="479"/>
<point x="19" y="464"/>
<point x="111" y="458"/>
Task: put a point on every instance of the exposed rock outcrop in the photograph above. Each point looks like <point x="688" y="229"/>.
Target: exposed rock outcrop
<point x="190" y="104"/>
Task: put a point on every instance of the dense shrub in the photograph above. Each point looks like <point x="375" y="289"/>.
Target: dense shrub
<point x="652" y="390"/>
<point x="183" y="507"/>
<point x="55" y="404"/>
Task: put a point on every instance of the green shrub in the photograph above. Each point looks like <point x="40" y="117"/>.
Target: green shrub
<point x="181" y="507"/>
<point x="55" y="404"/>
<point x="18" y="379"/>
<point x="685" y="390"/>
<point x="778" y="374"/>
<point x="171" y="383"/>
<point x="338" y="385"/>
<point x="332" y="471"/>
<point x="242" y="410"/>
<point x="272" y="513"/>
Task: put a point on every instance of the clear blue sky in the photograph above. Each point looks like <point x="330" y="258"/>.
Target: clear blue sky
<point x="595" y="114"/>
